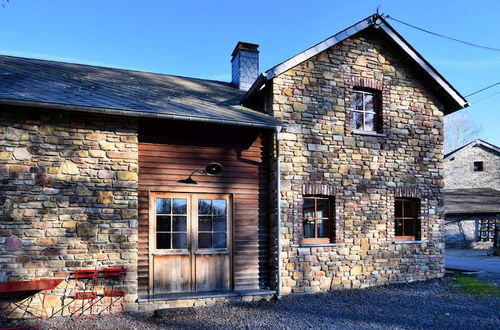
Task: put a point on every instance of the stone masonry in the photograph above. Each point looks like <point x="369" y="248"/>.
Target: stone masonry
<point x="68" y="199"/>
<point x="320" y="154"/>
<point x="459" y="172"/>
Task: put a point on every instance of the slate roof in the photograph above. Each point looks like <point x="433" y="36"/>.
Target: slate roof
<point x="469" y="145"/>
<point x="449" y="95"/>
<point x="58" y="85"/>
<point x="471" y="201"/>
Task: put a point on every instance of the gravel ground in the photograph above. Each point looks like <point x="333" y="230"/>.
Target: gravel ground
<point x="432" y="304"/>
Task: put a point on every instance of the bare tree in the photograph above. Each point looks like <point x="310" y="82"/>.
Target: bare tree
<point x="459" y="129"/>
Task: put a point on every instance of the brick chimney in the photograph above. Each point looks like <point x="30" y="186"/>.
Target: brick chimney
<point x="244" y="65"/>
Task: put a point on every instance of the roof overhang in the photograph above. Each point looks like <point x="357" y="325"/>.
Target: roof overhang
<point x="475" y="143"/>
<point x="270" y="123"/>
<point x="455" y="102"/>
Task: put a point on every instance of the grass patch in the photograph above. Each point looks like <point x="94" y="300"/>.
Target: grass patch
<point x="470" y="284"/>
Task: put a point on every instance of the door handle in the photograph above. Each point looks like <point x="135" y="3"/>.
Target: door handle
<point x="189" y="246"/>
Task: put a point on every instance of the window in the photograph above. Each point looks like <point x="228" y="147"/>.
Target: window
<point x="406" y="219"/>
<point x="318" y="220"/>
<point x="478" y="166"/>
<point x="171" y="223"/>
<point x="366" y="111"/>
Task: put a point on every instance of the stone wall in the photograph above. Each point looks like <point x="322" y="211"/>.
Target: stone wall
<point x="363" y="173"/>
<point x="459" y="172"/>
<point x="68" y="199"/>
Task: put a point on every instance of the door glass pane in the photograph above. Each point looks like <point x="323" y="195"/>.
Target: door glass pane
<point x="162" y="241"/>
<point x="370" y="122"/>
<point x="204" y="240"/>
<point x="219" y="240"/>
<point x="399" y="227"/>
<point x="179" y="206"/>
<point x="309" y="229"/>
<point x="322" y="228"/>
<point x="308" y="208"/>
<point x="219" y="206"/>
<point x="205" y="223"/>
<point x="358" y="120"/>
<point x="163" y="205"/>
<point x="179" y="223"/>
<point x="178" y="241"/>
<point x="322" y="208"/>
<point x="163" y="223"/>
<point x="358" y="101"/>
<point x="204" y="206"/>
<point x="220" y="223"/>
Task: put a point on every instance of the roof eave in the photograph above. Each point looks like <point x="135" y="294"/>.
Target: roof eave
<point x="458" y="101"/>
<point x="130" y="113"/>
<point x="261" y="79"/>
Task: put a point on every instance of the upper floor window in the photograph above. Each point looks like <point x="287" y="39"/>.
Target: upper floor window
<point x="366" y="111"/>
<point x="478" y="166"/>
<point x="406" y="219"/>
<point x="318" y="220"/>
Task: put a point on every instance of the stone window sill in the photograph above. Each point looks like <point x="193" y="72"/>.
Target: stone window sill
<point x="410" y="242"/>
<point x="319" y="245"/>
<point x="355" y="132"/>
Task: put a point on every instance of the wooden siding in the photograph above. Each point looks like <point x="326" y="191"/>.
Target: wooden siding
<point x="168" y="153"/>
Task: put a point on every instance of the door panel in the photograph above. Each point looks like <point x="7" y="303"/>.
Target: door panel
<point x="172" y="273"/>
<point x="190" y="243"/>
<point x="212" y="254"/>
<point x="212" y="272"/>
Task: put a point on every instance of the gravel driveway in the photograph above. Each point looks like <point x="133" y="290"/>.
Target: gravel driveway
<point x="431" y="304"/>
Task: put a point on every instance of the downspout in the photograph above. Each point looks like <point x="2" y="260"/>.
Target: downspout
<point x="278" y="210"/>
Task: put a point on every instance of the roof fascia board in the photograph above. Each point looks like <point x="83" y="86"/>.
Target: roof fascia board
<point x="471" y="144"/>
<point x="318" y="48"/>
<point x="378" y="22"/>
<point x="424" y="64"/>
<point x="131" y="113"/>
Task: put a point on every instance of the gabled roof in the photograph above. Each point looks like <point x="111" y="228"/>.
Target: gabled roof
<point x="455" y="101"/>
<point x="475" y="143"/>
<point x="67" y="86"/>
<point x="469" y="201"/>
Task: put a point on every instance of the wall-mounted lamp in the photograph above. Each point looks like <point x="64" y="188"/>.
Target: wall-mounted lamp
<point x="210" y="169"/>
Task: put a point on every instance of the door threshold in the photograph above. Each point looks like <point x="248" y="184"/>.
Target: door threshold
<point x="202" y="295"/>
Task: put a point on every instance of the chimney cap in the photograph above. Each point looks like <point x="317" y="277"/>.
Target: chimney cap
<point x="245" y="46"/>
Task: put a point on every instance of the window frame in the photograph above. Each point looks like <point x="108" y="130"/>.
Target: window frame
<point x="330" y="220"/>
<point x="415" y="223"/>
<point x="376" y="111"/>
<point x="481" y="166"/>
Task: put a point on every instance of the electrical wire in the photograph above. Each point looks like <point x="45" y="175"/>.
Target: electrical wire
<point x="483" y="89"/>
<point x="484" y="98"/>
<point x="443" y="36"/>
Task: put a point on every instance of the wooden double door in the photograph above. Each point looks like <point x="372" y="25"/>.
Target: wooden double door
<point x="189" y="243"/>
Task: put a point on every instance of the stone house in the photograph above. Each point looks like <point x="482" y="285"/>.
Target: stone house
<point x="332" y="173"/>
<point x="472" y="195"/>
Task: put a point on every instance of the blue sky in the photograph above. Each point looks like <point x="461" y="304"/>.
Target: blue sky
<point x="195" y="38"/>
